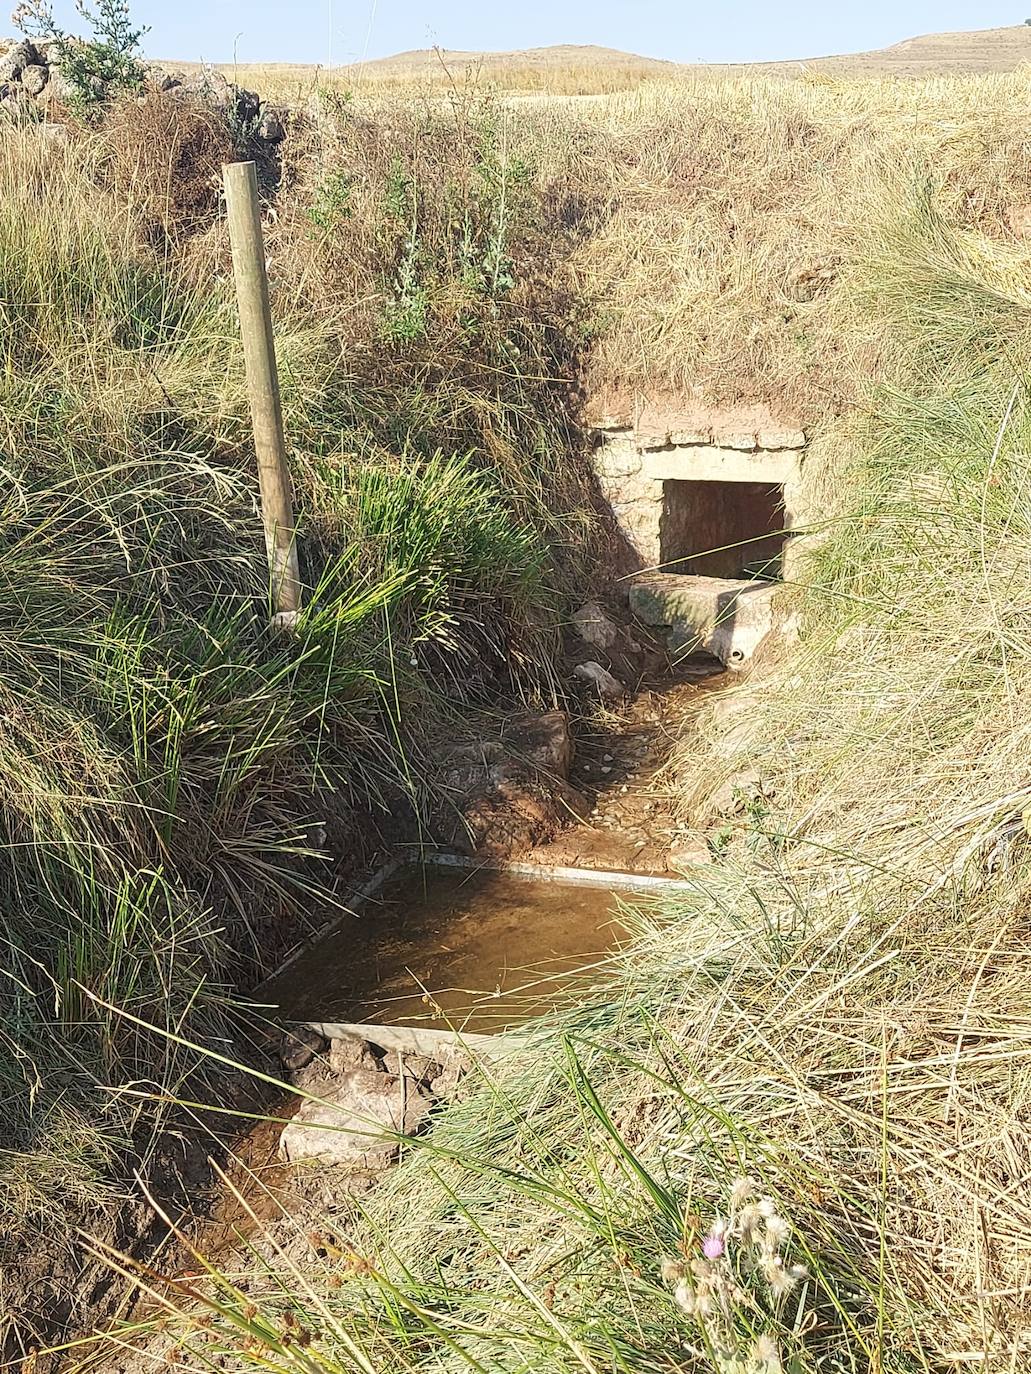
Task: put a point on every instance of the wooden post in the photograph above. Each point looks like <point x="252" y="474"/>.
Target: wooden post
<point x="259" y="353"/>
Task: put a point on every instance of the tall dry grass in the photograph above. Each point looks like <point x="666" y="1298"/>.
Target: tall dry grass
<point x="839" y="1008"/>
<point x="181" y="790"/>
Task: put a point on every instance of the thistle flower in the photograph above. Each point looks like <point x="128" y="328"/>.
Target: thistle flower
<point x="714" y="1245"/>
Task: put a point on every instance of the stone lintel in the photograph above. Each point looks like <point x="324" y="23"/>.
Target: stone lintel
<point x="707" y="464"/>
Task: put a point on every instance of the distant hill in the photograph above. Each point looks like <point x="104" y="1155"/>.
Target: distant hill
<point x="571" y="69"/>
<point x="430" y="61"/>
<point x="981" y="50"/>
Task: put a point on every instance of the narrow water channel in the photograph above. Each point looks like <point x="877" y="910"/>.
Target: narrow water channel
<point x="475" y="949"/>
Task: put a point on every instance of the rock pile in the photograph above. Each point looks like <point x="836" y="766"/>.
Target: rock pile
<point x="362" y="1099"/>
<point x="32" y="73"/>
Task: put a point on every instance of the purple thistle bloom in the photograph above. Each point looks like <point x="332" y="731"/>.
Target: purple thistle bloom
<point x="713" y="1245"/>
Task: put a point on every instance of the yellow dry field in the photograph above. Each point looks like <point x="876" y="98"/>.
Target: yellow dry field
<point x="591" y="70"/>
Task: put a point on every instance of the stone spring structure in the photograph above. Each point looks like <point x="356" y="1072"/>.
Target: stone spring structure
<point x="706" y="501"/>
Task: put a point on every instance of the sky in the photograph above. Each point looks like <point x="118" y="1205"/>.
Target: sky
<point x="681" y="30"/>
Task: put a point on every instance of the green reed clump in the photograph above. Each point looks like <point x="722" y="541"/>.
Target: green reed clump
<point x="169" y="766"/>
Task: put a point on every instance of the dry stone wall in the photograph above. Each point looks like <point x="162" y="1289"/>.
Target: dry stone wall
<point x="31" y="77"/>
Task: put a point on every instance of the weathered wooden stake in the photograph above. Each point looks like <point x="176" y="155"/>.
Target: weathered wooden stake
<point x="259" y="354"/>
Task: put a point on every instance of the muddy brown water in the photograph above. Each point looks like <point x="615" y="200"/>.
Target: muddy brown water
<point x="477" y="950"/>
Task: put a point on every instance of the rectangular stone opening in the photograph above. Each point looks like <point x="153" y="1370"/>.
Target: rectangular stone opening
<point x="723" y="529"/>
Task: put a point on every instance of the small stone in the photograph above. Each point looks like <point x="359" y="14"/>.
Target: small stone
<point x="271" y="128"/>
<point x="594" y="627"/>
<point x="348" y="1054"/>
<point x="299" y="1047"/>
<point x="449" y="1080"/>
<point x="421" y="1067"/>
<point x="688" y="852"/>
<point x="34" y="79"/>
<point x="607" y="686"/>
<point x="606" y="768"/>
<point x="545" y="741"/>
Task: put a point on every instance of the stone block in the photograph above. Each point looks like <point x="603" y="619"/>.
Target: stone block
<point x="726" y="617"/>
<point x="712" y="464"/>
<point x="617" y="458"/>
<point x="774" y="438"/>
<point x="353" y="1127"/>
<point x="738" y="439"/>
<point x="689" y="438"/>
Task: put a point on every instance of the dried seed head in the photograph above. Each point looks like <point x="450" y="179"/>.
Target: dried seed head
<point x="684" y="1297"/>
<point x="766" y="1356"/>
<point x="778" y="1232"/>
<point x="750" y="1223"/>
<point x="781" y="1281"/>
<point x="741" y="1191"/>
<point x="703" y="1301"/>
<point x="671" y="1270"/>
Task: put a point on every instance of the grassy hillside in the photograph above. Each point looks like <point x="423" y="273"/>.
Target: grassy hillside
<point x="790" y="1131"/>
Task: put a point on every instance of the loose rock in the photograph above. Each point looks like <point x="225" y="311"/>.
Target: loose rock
<point x="348" y="1054"/>
<point x="352" y="1128"/>
<point x="34" y="79"/>
<point x="688" y="852"/>
<point x="300" y="1046"/>
<point x="594" y="627"/>
<point x="608" y="687"/>
<point x="271" y="128"/>
<point x="16" y="59"/>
